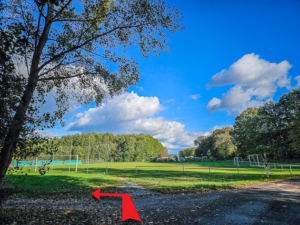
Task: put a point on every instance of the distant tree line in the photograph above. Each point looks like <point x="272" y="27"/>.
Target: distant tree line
<point x="119" y="148"/>
<point x="218" y="145"/>
<point x="272" y="129"/>
<point x="187" y="152"/>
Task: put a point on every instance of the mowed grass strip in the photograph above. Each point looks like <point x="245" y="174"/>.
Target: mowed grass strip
<point x="176" y="177"/>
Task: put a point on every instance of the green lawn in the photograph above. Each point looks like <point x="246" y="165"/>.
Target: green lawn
<point x="162" y="177"/>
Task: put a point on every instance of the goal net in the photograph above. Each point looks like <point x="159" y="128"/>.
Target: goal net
<point x="58" y="162"/>
<point x="204" y="158"/>
<point x="256" y="160"/>
<point x="237" y="161"/>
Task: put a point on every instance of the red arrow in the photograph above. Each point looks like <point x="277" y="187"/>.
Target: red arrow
<point x="128" y="208"/>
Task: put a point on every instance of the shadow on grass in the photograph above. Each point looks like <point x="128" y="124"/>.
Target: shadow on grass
<point x="178" y="181"/>
<point x="61" y="184"/>
<point x="56" y="186"/>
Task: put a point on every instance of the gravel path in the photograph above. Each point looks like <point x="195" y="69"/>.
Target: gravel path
<point x="272" y="203"/>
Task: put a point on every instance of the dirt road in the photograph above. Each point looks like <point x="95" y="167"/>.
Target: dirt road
<point x="273" y="203"/>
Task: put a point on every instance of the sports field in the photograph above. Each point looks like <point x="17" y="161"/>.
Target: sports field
<point x="168" y="177"/>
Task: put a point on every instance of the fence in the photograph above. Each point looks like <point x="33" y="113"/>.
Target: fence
<point x="281" y="166"/>
<point x="24" y="163"/>
<point x="208" y="168"/>
<point x="211" y="169"/>
<point x="70" y="161"/>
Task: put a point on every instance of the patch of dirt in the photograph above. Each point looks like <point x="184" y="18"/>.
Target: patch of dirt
<point x="134" y="189"/>
<point x="273" y="203"/>
<point x="289" y="187"/>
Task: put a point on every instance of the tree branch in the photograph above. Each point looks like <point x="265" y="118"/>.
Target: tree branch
<point x="61" y="78"/>
<point x="55" y="67"/>
<point x="38" y="26"/>
<point x="42" y="39"/>
<point x="85" y="32"/>
<point x="83" y="20"/>
<point x="26" y="61"/>
<point x="89" y="40"/>
<point x="60" y="11"/>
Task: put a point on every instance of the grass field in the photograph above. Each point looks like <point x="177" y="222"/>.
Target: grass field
<point x="162" y="177"/>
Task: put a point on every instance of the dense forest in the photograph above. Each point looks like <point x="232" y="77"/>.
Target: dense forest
<point x="187" y="152"/>
<point x="94" y="146"/>
<point x="272" y="129"/>
<point x="218" y="145"/>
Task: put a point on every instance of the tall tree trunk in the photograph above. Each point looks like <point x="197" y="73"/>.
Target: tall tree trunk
<point x="13" y="134"/>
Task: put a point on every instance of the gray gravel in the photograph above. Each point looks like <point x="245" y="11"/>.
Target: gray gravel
<point x="272" y="203"/>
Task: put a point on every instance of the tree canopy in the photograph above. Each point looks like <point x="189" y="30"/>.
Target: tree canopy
<point x="120" y="148"/>
<point x="73" y="50"/>
<point x="218" y="145"/>
<point x="187" y="152"/>
<point x="272" y="129"/>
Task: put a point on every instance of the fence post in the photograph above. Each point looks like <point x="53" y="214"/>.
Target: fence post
<point x="36" y="162"/>
<point x="52" y="161"/>
<point x="267" y="171"/>
<point x="76" y="163"/>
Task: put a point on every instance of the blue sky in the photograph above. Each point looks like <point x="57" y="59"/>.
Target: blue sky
<point x="231" y="55"/>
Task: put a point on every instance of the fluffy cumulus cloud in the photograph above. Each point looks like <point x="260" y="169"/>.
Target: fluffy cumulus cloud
<point x="133" y="114"/>
<point x="255" y="81"/>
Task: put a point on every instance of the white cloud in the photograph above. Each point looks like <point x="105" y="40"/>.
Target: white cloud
<point x="195" y="96"/>
<point x="255" y="81"/>
<point x="47" y="133"/>
<point x="171" y="133"/>
<point x="251" y="71"/>
<point x="297" y="78"/>
<point x="214" y="104"/>
<point x="215" y="128"/>
<point x="140" y="88"/>
<point x="130" y="113"/>
<point x="74" y="93"/>
<point x="78" y="115"/>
